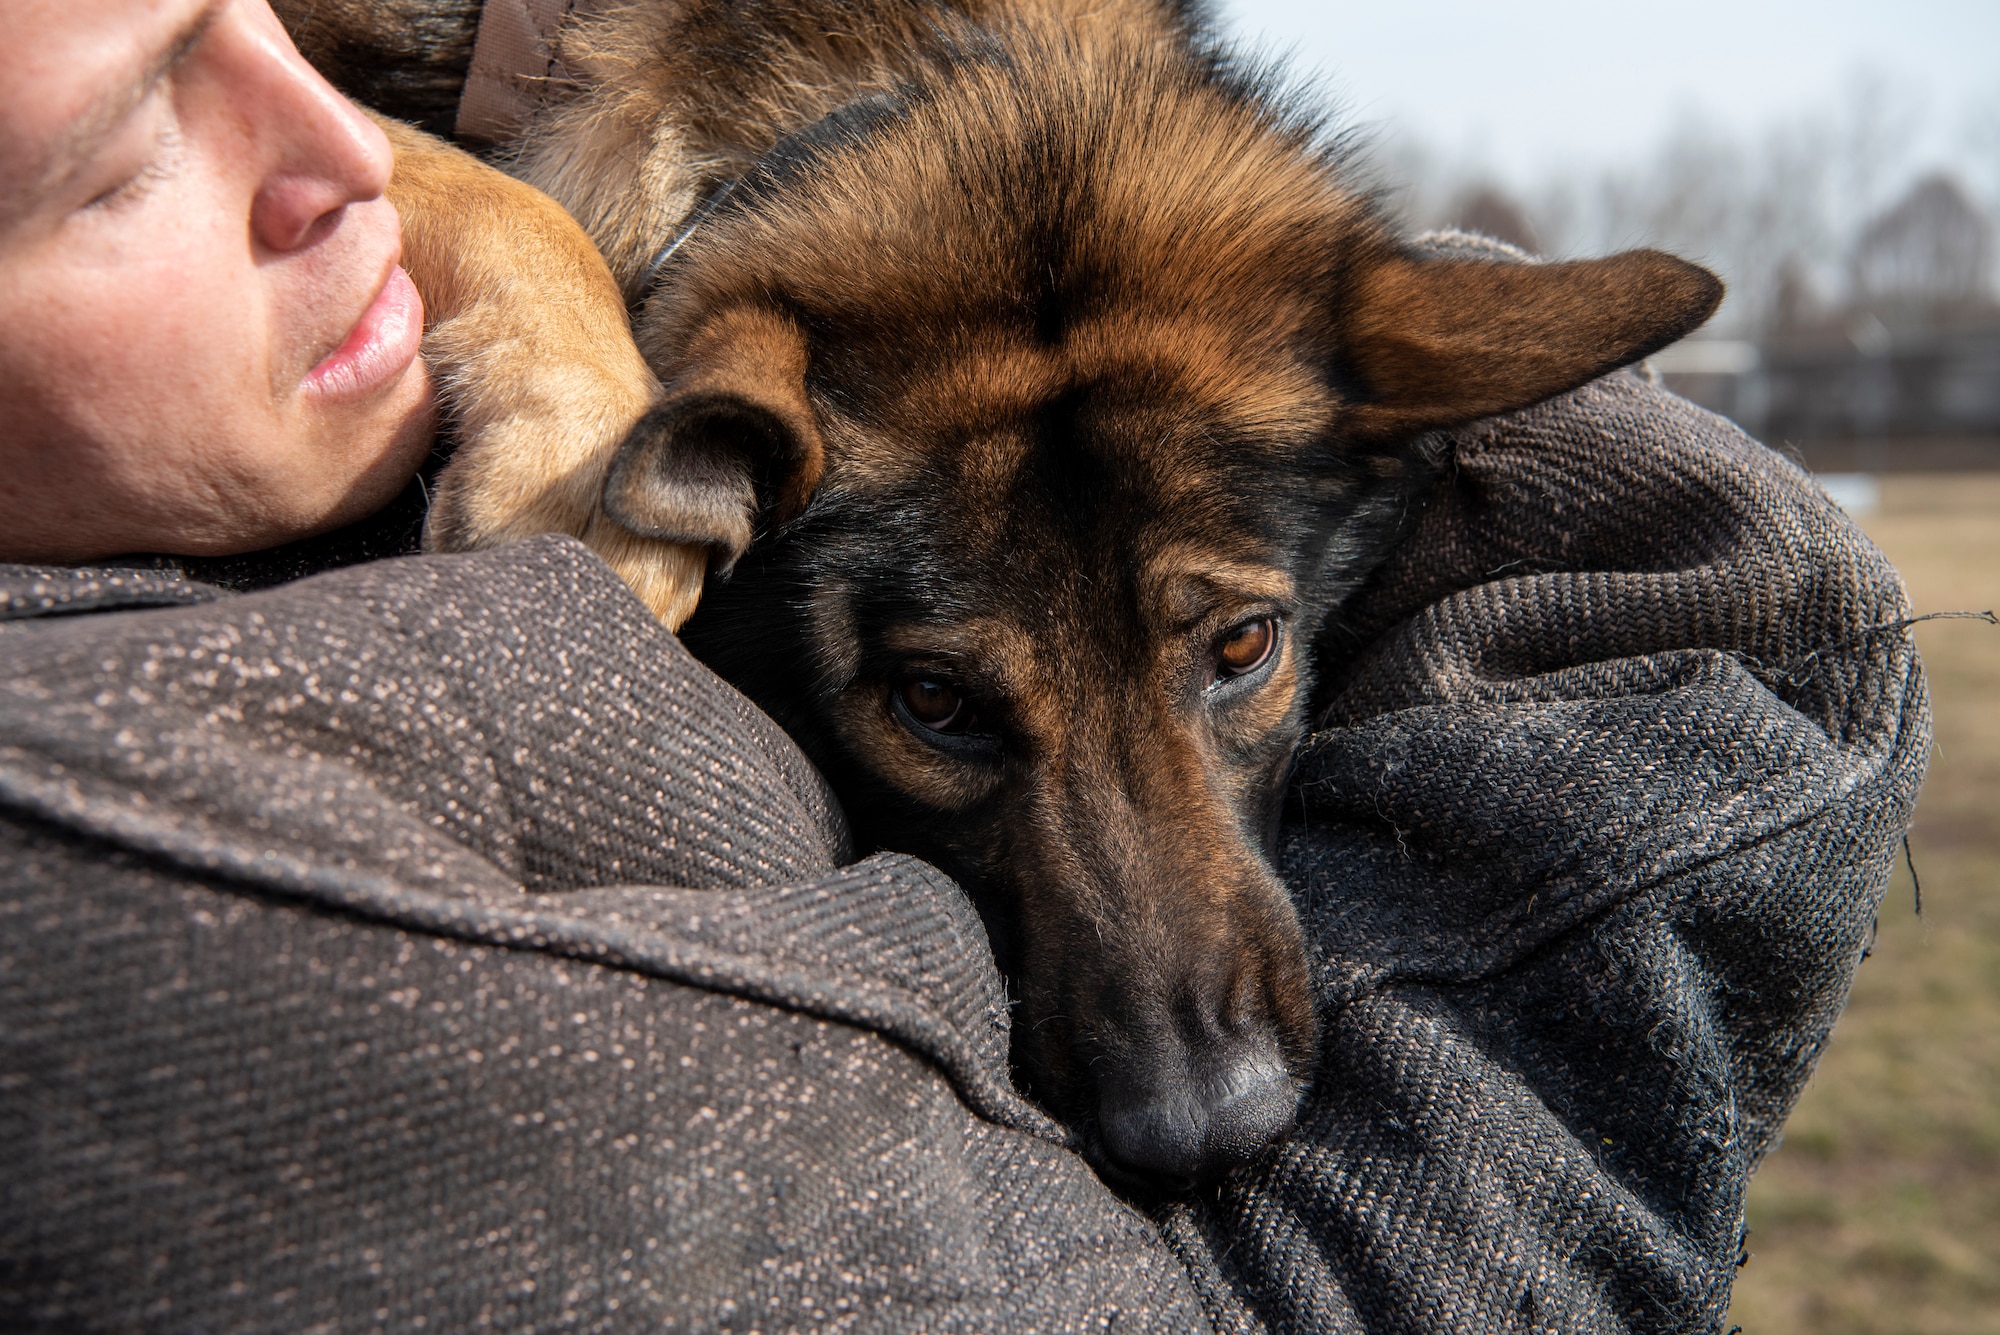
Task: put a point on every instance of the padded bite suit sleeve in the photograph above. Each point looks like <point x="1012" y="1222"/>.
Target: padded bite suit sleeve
<point x="1588" y="849"/>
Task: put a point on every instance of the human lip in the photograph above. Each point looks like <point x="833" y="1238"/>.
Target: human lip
<point x="382" y="344"/>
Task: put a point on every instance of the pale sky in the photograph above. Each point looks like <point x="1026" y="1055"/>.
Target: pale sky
<point x="1538" y="84"/>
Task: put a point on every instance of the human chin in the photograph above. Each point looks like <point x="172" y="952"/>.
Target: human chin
<point x="352" y="455"/>
<point x="385" y="454"/>
<point x="312" y="468"/>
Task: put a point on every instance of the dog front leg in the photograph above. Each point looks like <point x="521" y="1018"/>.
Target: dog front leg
<point x="528" y="339"/>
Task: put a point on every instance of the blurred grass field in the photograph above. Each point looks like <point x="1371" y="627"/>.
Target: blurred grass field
<point x="1881" y="1211"/>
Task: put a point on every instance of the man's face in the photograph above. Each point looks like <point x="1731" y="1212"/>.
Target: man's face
<point x="206" y="343"/>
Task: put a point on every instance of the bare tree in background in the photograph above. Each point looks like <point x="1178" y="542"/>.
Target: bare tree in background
<point x="1801" y="218"/>
<point x="1490" y="211"/>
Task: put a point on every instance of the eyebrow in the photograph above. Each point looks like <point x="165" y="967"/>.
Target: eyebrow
<point x="81" y="140"/>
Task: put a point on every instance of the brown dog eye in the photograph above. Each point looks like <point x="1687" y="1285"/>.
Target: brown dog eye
<point x="1244" y="648"/>
<point x="935" y="705"/>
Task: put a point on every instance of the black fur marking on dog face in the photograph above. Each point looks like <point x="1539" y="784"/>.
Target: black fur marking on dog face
<point x="1070" y="594"/>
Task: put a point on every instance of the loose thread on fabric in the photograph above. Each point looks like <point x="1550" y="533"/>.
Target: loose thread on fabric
<point x="1799" y="675"/>
<point x="1916" y="886"/>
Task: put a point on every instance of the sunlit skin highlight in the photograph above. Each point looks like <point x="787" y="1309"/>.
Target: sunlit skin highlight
<point x="209" y="345"/>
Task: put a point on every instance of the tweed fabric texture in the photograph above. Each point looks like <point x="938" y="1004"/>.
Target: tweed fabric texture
<point x="1588" y="848"/>
<point x="433" y="944"/>
<point x="41" y="591"/>
<point x="436" y="945"/>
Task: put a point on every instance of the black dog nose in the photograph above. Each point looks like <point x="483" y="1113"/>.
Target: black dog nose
<point x="1197" y="1128"/>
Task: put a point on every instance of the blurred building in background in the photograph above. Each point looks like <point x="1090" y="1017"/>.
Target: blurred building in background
<point x="1903" y="375"/>
<point x="1862" y="329"/>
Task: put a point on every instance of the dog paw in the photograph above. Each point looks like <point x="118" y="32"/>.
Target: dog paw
<point x="533" y="358"/>
<point x="532" y="458"/>
<point x="667" y="576"/>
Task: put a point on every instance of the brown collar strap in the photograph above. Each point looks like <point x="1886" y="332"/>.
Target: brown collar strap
<point x="513" y="62"/>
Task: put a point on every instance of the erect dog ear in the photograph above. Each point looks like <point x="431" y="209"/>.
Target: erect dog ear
<point x="735" y="423"/>
<point x="1435" y="343"/>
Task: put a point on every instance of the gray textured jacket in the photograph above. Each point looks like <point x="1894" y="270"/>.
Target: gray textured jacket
<point x="433" y="944"/>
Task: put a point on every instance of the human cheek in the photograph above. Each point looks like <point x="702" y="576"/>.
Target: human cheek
<point x="172" y="301"/>
<point x="275" y="314"/>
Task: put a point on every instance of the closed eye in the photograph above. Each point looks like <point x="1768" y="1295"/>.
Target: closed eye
<point x="146" y="150"/>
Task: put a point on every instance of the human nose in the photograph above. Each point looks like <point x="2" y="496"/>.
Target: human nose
<point x="323" y="153"/>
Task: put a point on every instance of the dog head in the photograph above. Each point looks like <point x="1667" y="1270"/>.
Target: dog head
<point x="1044" y="413"/>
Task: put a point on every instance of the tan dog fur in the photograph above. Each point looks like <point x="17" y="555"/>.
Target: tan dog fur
<point x="519" y="305"/>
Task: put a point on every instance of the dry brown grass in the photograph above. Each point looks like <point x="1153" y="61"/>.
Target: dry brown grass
<point x="1881" y="1212"/>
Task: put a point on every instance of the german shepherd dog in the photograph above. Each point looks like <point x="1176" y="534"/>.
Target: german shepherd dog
<point x="1035" y="386"/>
